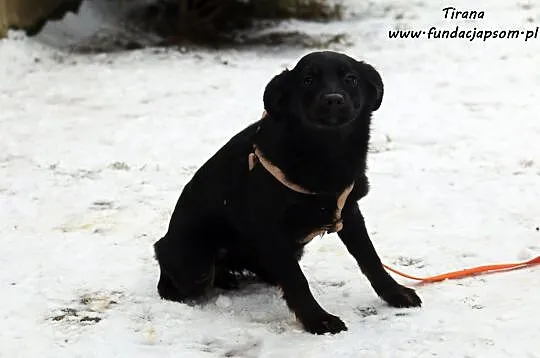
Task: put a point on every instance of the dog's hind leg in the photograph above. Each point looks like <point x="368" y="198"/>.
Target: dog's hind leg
<point x="186" y="259"/>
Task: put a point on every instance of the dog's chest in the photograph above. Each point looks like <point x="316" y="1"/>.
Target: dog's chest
<point x="309" y="217"/>
<point x="295" y="216"/>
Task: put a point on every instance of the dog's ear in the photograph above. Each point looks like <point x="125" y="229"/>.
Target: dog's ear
<point x="375" y="82"/>
<point x="275" y="94"/>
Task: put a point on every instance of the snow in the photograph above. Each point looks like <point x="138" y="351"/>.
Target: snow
<point x="94" y="151"/>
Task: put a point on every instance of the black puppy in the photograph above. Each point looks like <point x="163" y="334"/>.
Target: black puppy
<point x="296" y="173"/>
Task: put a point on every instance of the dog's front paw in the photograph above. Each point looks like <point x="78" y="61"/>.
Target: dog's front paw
<point x="323" y="323"/>
<point x="400" y="296"/>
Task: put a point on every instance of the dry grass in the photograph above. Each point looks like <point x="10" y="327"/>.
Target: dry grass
<point x="216" y="22"/>
<point x="31" y="15"/>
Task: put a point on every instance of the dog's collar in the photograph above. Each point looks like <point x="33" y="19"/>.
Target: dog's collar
<point x="258" y="157"/>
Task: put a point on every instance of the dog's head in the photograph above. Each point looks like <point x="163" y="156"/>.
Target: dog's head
<point x="324" y="90"/>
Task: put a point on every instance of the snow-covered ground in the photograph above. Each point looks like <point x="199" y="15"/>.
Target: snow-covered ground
<point x="94" y="151"/>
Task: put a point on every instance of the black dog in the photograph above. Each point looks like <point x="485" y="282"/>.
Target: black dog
<point x="296" y="173"/>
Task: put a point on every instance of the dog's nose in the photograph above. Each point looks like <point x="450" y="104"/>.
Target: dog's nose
<point x="333" y="100"/>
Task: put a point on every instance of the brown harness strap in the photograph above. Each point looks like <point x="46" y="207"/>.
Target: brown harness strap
<point x="257" y="157"/>
<point x="277" y="173"/>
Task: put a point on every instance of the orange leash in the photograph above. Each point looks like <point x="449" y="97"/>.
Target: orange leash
<point x="470" y="271"/>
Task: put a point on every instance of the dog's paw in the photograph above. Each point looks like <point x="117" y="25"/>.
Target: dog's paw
<point x="400" y="296"/>
<point x="323" y="323"/>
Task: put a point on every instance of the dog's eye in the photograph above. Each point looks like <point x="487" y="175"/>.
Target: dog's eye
<point x="351" y="80"/>
<point x="308" y="80"/>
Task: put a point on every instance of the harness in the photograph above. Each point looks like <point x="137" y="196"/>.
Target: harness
<point x="337" y="225"/>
